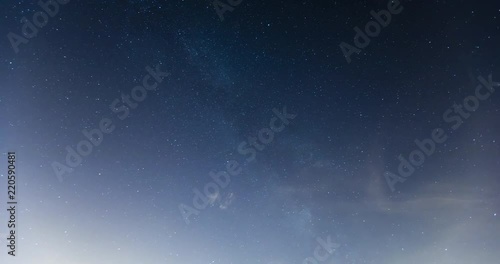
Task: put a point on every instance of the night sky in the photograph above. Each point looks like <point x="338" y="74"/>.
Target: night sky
<point x="240" y="133"/>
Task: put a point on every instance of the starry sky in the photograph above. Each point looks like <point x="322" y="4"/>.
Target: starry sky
<point x="223" y="81"/>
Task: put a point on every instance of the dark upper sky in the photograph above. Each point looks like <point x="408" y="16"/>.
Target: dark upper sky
<point x="326" y="168"/>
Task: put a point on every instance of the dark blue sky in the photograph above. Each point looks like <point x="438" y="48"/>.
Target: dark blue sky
<point x="321" y="175"/>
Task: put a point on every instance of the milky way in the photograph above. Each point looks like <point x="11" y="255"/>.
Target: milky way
<point x="228" y="131"/>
